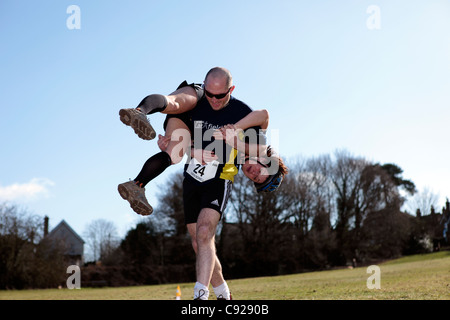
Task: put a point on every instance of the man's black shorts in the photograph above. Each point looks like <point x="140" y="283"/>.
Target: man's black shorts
<point x="213" y="195"/>
<point x="185" y="117"/>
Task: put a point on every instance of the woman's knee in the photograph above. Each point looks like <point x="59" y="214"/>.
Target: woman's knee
<point x="179" y="143"/>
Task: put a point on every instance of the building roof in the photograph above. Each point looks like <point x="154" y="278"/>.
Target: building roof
<point x="64" y="227"/>
<point x="66" y="236"/>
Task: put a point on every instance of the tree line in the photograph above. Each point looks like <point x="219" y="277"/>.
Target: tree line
<point x="331" y="210"/>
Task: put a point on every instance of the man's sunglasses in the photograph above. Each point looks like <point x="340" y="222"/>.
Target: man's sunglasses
<point x="217" y="96"/>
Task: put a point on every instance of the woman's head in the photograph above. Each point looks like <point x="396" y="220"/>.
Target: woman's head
<point x="255" y="171"/>
<point x="266" y="172"/>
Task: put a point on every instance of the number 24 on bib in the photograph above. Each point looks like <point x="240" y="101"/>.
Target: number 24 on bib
<point x="202" y="172"/>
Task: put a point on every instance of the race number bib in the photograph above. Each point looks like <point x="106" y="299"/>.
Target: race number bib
<point x="202" y="172"/>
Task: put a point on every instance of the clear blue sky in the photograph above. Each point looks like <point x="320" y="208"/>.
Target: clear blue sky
<point x="328" y="80"/>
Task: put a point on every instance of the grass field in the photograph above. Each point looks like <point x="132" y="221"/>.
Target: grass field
<point x="419" y="277"/>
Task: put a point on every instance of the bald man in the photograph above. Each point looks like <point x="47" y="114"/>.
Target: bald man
<point x="207" y="185"/>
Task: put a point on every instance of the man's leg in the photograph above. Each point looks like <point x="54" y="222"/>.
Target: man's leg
<point x="217" y="278"/>
<point x="218" y="282"/>
<point x="209" y="269"/>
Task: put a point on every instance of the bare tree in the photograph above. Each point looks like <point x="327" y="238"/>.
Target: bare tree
<point x="423" y="201"/>
<point x="27" y="259"/>
<point x="101" y="238"/>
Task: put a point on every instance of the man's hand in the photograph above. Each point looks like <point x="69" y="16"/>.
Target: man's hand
<point x="203" y="156"/>
<point x="230" y="133"/>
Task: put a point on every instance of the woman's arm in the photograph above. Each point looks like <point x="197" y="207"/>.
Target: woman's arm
<point x="254" y="119"/>
<point x="234" y="134"/>
<point x="235" y="137"/>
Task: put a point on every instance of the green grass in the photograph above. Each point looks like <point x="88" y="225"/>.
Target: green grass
<point x="419" y="277"/>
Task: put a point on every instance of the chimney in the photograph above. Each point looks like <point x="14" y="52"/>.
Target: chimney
<point x="45" y="226"/>
<point x="418" y="213"/>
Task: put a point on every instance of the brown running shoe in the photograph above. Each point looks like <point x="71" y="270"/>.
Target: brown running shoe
<point x="135" y="195"/>
<point x="139" y="122"/>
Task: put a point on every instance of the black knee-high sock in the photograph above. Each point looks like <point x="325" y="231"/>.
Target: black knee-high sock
<point x="153" y="103"/>
<point x="153" y="167"/>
